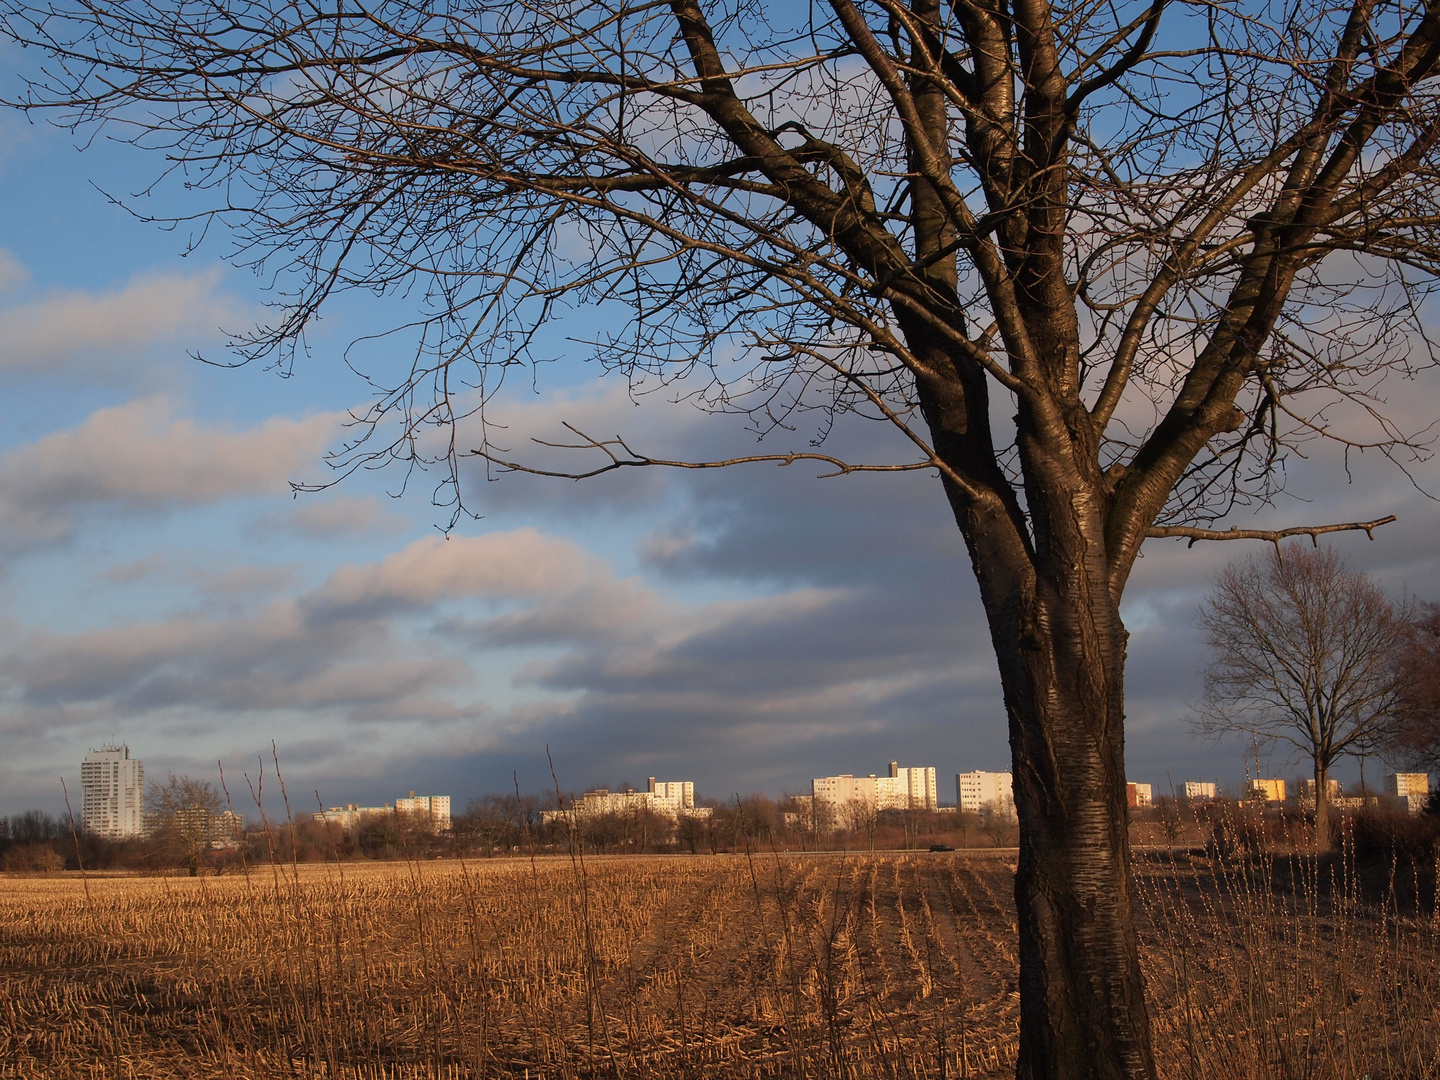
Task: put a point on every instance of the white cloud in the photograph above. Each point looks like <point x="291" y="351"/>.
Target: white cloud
<point x="139" y="456"/>
<point x="88" y="332"/>
<point x="333" y="518"/>
<point x="136" y="570"/>
<point x="498" y="565"/>
<point x="242" y="581"/>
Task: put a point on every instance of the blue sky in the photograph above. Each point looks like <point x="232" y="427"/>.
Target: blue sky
<point x="747" y="629"/>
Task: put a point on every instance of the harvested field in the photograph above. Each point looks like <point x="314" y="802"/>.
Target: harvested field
<point x="893" y="965"/>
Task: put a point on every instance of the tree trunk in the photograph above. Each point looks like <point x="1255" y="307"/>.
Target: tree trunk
<point x="1322" y="806"/>
<point x="1061" y="647"/>
<point x="1054" y="620"/>
<point x="1082" y="997"/>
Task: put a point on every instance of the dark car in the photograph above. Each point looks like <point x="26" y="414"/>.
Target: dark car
<point x="941" y="847"/>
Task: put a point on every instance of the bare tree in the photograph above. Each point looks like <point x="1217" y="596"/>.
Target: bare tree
<point x="1415" y="740"/>
<point x="1301" y="651"/>
<point x="182" y="815"/>
<point x="997" y="821"/>
<point x="862" y="817"/>
<point x="1097" y="264"/>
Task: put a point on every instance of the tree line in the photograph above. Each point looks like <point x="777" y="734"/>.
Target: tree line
<point x="182" y="836"/>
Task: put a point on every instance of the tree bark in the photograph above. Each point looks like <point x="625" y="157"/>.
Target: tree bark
<point x="1082" y="995"/>
<point x="1051" y="602"/>
<point x="1061" y="646"/>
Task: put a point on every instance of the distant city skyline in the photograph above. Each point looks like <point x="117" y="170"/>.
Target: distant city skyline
<point x="983" y="783"/>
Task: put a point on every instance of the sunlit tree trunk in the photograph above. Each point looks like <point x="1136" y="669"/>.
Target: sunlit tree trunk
<point x="1082" y="997"/>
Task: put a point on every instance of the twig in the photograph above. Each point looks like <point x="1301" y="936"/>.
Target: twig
<point x="76" y="837"/>
<point x="632" y="459"/>
<point x="1274" y="536"/>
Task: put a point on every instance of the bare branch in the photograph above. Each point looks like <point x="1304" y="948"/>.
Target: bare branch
<point x="1195" y="535"/>
<point x="631" y="459"/>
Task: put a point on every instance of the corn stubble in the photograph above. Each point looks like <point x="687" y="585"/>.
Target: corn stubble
<point x="885" y="965"/>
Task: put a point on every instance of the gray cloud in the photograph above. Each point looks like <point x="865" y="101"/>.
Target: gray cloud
<point x="783" y="627"/>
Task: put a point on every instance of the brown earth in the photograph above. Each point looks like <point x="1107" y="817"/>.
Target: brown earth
<point x="893" y="965"/>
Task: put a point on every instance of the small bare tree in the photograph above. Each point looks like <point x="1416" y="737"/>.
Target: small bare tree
<point x="862" y="816"/>
<point x="1301" y="651"/>
<point x="181" y="817"/>
<point x="997" y="821"/>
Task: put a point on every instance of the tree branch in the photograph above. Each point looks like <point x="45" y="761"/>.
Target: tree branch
<point x="1194" y="535"/>
<point x="631" y="459"/>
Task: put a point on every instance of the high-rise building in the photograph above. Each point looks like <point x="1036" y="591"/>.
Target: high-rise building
<point x="910" y="788"/>
<point x="1200" y="790"/>
<point x="114" y="784"/>
<point x="975" y="790"/>
<point x="1307" y="790"/>
<point x="913" y="787"/>
<point x="434" y="809"/>
<point x="670" y="798"/>
<point x="1413" y="787"/>
<point x="1270" y="790"/>
<point x="1137" y="794"/>
<point x="349" y="817"/>
<point x="1401" y="784"/>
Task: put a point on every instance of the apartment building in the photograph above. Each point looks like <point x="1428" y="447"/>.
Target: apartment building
<point x="114" y="799"/>
<point x="1333" y="790"/>
<point x="909" y="788"/>
<point x="349" y="817"/>
<point x="912" y="788"/>
<point x="1270" y="790"/>
<point x="434" y="808"/>
<point x="421" y="809"/>
<point x="1138" y="795"/>
<point x="1200" y="790"/>
<point x="1413" y="787"/>
<point x="976" y="790"/>
<point x="671" y="798"/>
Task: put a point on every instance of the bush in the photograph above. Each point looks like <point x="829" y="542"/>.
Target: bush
<point x="1246" y="828"/>
<point x="32" y="858"/>
<point x="1409" y="840"/>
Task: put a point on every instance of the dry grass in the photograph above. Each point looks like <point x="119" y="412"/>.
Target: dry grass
<point x="890" y="965"/>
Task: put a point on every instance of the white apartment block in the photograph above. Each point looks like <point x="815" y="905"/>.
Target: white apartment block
<point x="1413" y="787"/>
<point x="1403" y="784"/>
<point x="434" y="807"/>
<point x="1270" y="789"/>
<point x="670" y="798"/>
<point x="1138" y="794"/>
<point x="914" y="787"/>
<point x="976" y="790"/>
<point x="349" y="817"/>
<point x="910" y="788"/>
<point x="114" y="783"/>
<point x="1307" y="790"/>
<point x="1200" y="790"/>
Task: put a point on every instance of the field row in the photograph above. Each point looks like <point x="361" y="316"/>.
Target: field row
<point x="896" y="965"/>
